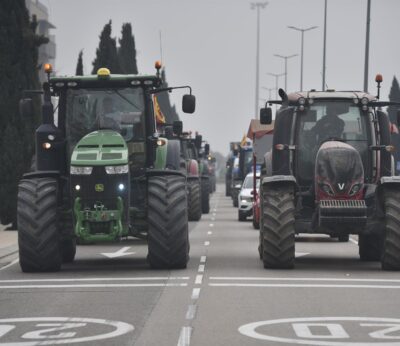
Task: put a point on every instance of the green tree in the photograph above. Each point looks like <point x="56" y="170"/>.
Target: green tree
<point x="79" y="65"/>
<point x="106" y="53"/>
<point x="165" y="103"/>
<point x="19" y="71"/>
<point x="127" y="50"/>
<point x="394" y="95"/>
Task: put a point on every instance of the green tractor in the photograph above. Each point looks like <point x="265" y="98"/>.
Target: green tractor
<point x="102" y="173"/>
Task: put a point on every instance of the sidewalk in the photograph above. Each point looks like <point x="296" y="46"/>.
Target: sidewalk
<point x="8" y="242"/>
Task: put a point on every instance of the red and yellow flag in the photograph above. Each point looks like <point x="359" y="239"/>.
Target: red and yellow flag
<point x="243" y="143"/>
<point x="160" y="118"/>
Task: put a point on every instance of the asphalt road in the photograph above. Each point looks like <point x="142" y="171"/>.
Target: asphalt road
<point x="225" y="297"/>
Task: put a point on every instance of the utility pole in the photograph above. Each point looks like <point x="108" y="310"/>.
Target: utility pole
<point x="285" y="57"/>
<point x="258" y="6"/>
<point x="276" y="81"/>
<point x="324" y="53"/>
<point x="366" y="63"/>
<point x="302" y="30"/>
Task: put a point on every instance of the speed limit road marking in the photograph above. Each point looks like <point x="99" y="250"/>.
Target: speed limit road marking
<point x="58" y="330"/>
<point x="327" y="331"/>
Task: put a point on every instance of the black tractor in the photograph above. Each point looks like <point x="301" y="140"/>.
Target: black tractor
<point x="332" y="173"/>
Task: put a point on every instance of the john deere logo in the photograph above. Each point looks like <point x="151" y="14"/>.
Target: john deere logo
<point x="99" y="187"/>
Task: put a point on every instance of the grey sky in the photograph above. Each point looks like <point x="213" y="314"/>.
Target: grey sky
<point x="210" y="44"/>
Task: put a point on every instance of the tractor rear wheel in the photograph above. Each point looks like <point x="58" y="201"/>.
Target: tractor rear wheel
<point x="194" y="200"/>
<point x="38" y="234"/>
<point x="391" y="244"/>
<point x="205" y="195"/>
<point x="370" y="247"/>
<point x="278" y="231"/>
<point x="168" y="236"/>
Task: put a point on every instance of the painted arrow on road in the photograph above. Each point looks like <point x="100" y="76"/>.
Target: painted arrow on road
<point x="119" y="253"/>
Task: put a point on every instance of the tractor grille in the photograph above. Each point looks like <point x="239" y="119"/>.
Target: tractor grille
<point x="342" y="204"/>
<point x="342" y="212"/>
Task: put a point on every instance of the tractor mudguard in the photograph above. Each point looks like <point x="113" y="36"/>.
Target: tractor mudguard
<point x="159" y="172"/>
<point x="279" y="180"/>
<point x="42" y="174"/>
<point x="385" y="183"/>
<point x="193" y="177"/>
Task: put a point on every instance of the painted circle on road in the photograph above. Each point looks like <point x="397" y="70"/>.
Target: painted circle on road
<point x="58" y="330"/>
<point x="327" y="331"/>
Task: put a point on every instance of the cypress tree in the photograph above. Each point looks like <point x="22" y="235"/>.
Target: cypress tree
<point x="394" y="95"/>
<point x="127" y="50"/>
<point x="106" y="53"/>
<point x="79" y="65"/>
<point x="19" y="71"/>
<point x="165" y="103"/>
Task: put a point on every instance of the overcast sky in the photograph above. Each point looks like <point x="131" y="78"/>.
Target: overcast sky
<point x="211" y="44"/>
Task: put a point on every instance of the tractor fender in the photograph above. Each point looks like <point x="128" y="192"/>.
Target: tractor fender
<point x="391" y="183"/>
<point x="42" y="174"/>
<point x="193" y="168"/>
<point x="193" y="177"/>
<point x="279" y="180"/>
<point x="162" y="172"/>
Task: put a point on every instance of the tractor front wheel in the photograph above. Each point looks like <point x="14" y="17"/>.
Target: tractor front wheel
<point x="168" y="235"/>
<point x="38" y="234"/>
<point x="205" y="195"/>
<point x="370" y="247"/>
<point x="194" y="200"/>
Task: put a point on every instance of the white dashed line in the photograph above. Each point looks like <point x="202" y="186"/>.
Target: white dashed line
<point x="211" y="225"/>
<point x="196" y="293"/>
<point x="201" y="268"/>
<point x="199" y="279"/>
<point x="191" y="312"/>
<point x="207" y="243"/>
<point x="184" y="337"/>
<point x="209" y="232"/>
<point x="203" y="259"/>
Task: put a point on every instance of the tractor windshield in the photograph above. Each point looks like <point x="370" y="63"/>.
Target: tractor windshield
<point x="121" y="110"/>
<point x="328" y="120"/>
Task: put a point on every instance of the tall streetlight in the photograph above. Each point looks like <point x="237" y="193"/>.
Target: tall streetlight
<point x="276" y="81"/>
<point x="324" y="51"/>
<point x="302" y="30"/>
<point x="258" y="6"/>
<point x="366" y="63"/>
<point x="286" y="57"/>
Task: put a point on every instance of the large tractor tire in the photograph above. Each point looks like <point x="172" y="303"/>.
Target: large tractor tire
<point x="227" y="188"/>
<point x="68" y="240"/>
<point x="38" y="234"/>
<point x="370" y="247"/>
<point x="391" y="244"/>
<point x="235" y="196"/>
<point x="194" y="200"/>
<point x="168" y="235"/>
<point x="278" y="230"/>
<point x="205" y="195"/>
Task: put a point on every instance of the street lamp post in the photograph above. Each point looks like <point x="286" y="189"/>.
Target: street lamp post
<point x="366" y="63"/>
<point x="285" y="57"/>
<point x="258" y="6"/>
<point x="302" y="30"/>
<point x="324" y="50"/>
<point x="276" y="81"/>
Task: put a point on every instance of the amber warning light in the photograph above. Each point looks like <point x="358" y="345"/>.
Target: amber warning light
<point x="378" y="78"/>
<point x="48" y="68"/>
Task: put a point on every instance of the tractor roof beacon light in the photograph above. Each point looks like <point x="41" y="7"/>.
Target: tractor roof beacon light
<point x="103" y="72"/>
<point x="48" y="69"/>
<point x="378" y="80"/>
<point x="158" y="66"/>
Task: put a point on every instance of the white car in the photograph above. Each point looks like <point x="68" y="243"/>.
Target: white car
<point x="245" y="198"/>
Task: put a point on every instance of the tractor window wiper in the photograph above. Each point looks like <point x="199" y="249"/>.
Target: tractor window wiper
<point x="127" y="100"/>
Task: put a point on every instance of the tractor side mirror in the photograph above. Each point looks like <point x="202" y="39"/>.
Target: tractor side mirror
<point x="26" y="108"/>
<point x="266" y="116"/>
<point x="398" y="117"/>
<point x="177" y="127"/>
<point x="188" y="103"/>
<point x="206" y="149"/>
<point x="197" y="141"/>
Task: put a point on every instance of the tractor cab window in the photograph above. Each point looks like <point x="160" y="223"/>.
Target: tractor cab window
<point x="323" y="121"/>
<point x="121" y="110"/>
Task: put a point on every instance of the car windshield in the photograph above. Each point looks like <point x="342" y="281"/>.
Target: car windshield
<point x="328" y="120"/>
<point x="121" y="110"/>
<point x="248" y="183"/>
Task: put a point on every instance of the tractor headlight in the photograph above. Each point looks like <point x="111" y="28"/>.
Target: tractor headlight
<point x="117" y="169"/>
<point x="355" y="189"/>
<point x="80" y="170"/>
<point x="327" y="189"/>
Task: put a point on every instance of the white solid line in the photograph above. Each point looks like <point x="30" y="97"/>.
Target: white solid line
<point x="203" y="259"/>
<point x="184" y="337"/>
<point x="353" y="241"/>
<point x="10" y="264"/>
<point x="206" y="243"/>
<point x="303" y="285"/>
<point x="151" y="278"/>
<point x="94" y="285"/>
<point x="222" y="278"/>
<point x="209" y="232"/>
<point x="211" y="225"/>
<point x="199" y="279"/>
<point x="201" y="268"/>
<point x="191" y="312"/>
<point x="196" y="293"/>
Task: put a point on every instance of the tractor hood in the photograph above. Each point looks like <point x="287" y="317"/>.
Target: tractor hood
<point x="99" y="148"/>
<point x="339" y="172"/>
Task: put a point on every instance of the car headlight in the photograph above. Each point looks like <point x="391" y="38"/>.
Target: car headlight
<point x="238" y="186"/>
<point x="80" y="170"/>
<point x="117" y="169"/>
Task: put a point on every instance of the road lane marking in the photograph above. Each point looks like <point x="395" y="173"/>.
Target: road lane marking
<point x="95" y="285"/>
<point x="196" y="293"/>
<point x="222" y="278"/>
<point x="301" y="285"/>
<point x="211" y="225"/>
<point x="191" y="312"/>
<point x="203" y="259"/>
<point x="209" y="232"/>
<point x="301" y="254"/>
<point x="10" y="264"/>
<point x="353" y="241"/>
<point x="201" y="268"/>
<point x="119" y="253"/>
<point x="199" y="279"/>
<point x="151" y="278"/>
<point x="206" y="243"/>
<point x="184" y="337"/>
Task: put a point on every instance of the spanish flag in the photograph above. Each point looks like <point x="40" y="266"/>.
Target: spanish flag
<point x="160" y="118"/>
<point x="244" y="141"/>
